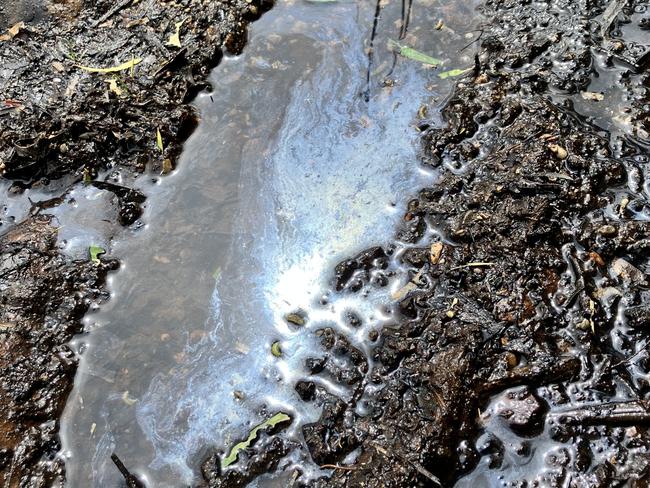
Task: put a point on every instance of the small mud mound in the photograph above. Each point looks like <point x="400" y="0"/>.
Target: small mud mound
<point x="43" y="299"/>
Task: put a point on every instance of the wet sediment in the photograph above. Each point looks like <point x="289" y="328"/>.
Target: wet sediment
<point x="522" y="331"/>
<point x="61" y="125"/>
<point x="520" y="356"/>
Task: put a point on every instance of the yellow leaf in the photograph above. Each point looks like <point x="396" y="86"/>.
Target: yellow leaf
<point x="13" y="31"/>
<point x="159" y="141"/>
<point x="113" y="86"/>
<point x="175" y="38"/>
<point x="114" y="69"/>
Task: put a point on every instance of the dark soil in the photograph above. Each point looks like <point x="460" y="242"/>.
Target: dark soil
<point x="536" y="292"/>
<point x="59" y="125"/>
<point x="43" y="298"/>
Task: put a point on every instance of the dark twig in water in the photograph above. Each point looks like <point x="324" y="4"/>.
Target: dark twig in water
<point x="131" y="480"/>
<point x="366" y="94"/>
<point x="480" y="31"/>
<point x="403" y="29"/>
<point x="345" y="468"/>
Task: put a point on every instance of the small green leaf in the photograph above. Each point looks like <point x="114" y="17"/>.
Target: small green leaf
<point x="159" y="141"/>
<point x="454" y="72"/>
<point x="276" y="350"/>
<point x="410" y="53"/>
<point x="94" y="252"/>
<point x="278" y="418"/>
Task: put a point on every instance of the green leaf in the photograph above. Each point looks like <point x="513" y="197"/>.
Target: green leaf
<point x="410" y="53"/>
<point x="276" y="350"/>
<point x="278" y="418"/>
<point x="454" y="72"/>
<point x="94" y="252"/>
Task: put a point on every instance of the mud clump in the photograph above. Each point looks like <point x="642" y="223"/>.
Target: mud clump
<point x="522" y="337"/>
<point x="59" y="119"/>
<point x="43" y="298"/>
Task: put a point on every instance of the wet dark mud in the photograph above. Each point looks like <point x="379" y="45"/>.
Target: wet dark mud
<point x="61" y="125"/>
<point x="43" y="298"/>
<point x="61" y="120"/>
<point x="518" y="356"/>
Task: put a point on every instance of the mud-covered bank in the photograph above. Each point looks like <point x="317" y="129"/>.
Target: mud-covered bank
<point x="44" y="296"/>
<point x="524" y="334"/>
<point x="63" y="126"/>
<point x="520" y="356"/>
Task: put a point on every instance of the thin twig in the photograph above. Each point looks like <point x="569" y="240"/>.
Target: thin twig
<point x="418" y="467"/>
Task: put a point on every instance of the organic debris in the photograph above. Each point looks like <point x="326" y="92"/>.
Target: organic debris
<point x="114" y="69"/>
<point x="276" y="349"/>
<point x="175" y="38"/>
<point x="453" y="73"/>
<point x="95" y="252"/>
<point x="410" y="53"/>
<point x="277" y="419"/>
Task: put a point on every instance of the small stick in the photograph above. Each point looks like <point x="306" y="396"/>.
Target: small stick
<point x="420" y="469"/>
<point x="131" y="480"/>
<point x="472" y="265"/>
<point x="111" y="12"/>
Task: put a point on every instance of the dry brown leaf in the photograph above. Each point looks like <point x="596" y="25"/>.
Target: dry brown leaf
<point x="436" y="251"/>
<point x="12" y="31"/>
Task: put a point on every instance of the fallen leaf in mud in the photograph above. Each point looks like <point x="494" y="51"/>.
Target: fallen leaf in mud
<point x="559" y="151"/>
<point x="295" y="318"/>
<point x="114" y="69"/>
<point x="127" y="399"/>
<point x="276" y="350"/>
<point x="94" y="252"/>
<point x="12" y="31"/>
<point x="113" y="86"/>
<point x="453" y="72"/>
<point x="58" y="66"/>
<point x="175" y="38"/>
<point x="410" y="53"/>
<point x="166" y="166"/>
<point x="596" y="258"/>
<point x="594" y="96"/>
<point x="436" y="251"/>
<point x="411" y="285"/>
<point x="159" y="141"/>
<point x="278" y="418"/>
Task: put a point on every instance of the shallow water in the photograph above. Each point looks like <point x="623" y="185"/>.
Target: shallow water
<point x="299" y="161"/>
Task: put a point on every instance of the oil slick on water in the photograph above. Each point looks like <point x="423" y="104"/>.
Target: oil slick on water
<point x="290" y="171"/>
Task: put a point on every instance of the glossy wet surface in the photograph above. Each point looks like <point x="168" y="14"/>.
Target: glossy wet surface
<point x="298" y="162"/>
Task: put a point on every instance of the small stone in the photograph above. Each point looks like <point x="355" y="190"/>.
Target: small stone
<point x="296" y="318"/>
<point x="607" y="230"/>
<point x="559" y="151"/>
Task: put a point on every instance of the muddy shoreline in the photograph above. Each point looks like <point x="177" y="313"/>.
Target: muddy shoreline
<point x="523" y="322"/>
<point x="63" y="126"/>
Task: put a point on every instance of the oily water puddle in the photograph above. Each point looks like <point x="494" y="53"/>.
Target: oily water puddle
<point x="303" y="157"/>
<point x="306" y="153"/>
